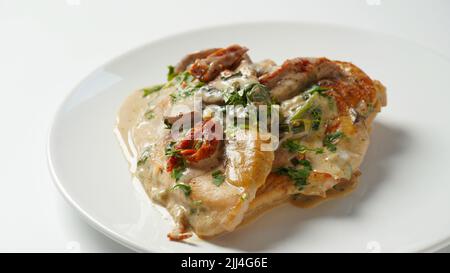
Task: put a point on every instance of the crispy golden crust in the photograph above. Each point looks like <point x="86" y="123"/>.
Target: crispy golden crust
<point x="354" y="88"/>
<point x="349" y="92"/>
<point x="254" y="180"/>
<point x="292" y="66"/>
<point x="297" y="74"/>
<point x="279" y="190"/>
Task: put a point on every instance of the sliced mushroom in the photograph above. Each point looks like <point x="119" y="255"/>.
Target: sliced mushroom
<point x="207" y="69"/>
<point x="186" y="116"/>
<point x="192" y="57"/>
<point x="211" y="95"/>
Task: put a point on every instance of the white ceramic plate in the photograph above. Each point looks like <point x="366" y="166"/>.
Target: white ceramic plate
<point x="402" y="203"/>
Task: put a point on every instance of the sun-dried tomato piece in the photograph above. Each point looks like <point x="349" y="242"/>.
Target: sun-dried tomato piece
<point x="200" y="142"/>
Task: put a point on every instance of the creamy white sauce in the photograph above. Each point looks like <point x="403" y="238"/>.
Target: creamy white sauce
<point x="143" y="137"/>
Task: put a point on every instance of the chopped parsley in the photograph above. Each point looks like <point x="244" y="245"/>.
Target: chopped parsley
<point x="303" y="110"/>
<point x="170" y="76"/>
<point x="183" y="93"/>
<point x="171" y="73"/>
<point x="183" y="187"/>
<point x="177" y="172"/>
<point x="143" y="158"/>
<point x="218" y="178"/>
<point x="258" y="94"/>
<point x="187" y="85"/>
<point x="236" y="97"/>
<point x="251" y="93"/>
<point x="330" y="140"/>
<point x="316" y="114"/>
<point x="294" y="146"/>
<point x="299" y="174"/>
<point x="310" y="114"/>
<point x="183" y="77"/>
<point x="321" y="91"/>
<point x="314" y="89"/>
<point x="171" y="151"/>
<point x="310" y="96"/>
<point x="149" y="115"/>
<point x="152" y="89"/>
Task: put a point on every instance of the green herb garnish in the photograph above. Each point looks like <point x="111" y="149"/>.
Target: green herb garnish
<point x="171" y="151"/>
<point x="299" y="175"/>
<point x="251" y="93"/>
<point x="143" y="158"/>
<point x="183" y="93"/>
<point x="184" y="187"/>
<point x="149" y="115"/>
<point x="316" y="114"/>
<point x="171" y="73"/>
<point x="191" y="85"/>
<point x="294" y="146"/>
<point x="258" y="94"/>
<point x="301" y="112"/>
<point x="183" y="77"/>
<point x="152" y="89"/>
<point x="236" y="97"/>
<point x="177" y="173"/>
<point x="330" y="140"/>
<point x="314" y="89"/>
<point x="218" y="178"/>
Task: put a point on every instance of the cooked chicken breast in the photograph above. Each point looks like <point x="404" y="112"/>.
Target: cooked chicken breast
<point x="203" y="151"/>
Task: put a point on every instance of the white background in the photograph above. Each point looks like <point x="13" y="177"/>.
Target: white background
<point x="47" y="46"/>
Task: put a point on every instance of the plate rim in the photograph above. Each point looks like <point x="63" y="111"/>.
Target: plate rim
<point x="121" y="239"/>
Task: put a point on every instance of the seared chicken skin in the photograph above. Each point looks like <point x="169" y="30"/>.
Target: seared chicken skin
<point x="214" y="173"/>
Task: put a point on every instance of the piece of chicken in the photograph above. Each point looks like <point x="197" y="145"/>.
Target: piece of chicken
<point x="352" y="90"/>
<point x="246" y="169"/>
<point x="208" y="68"/>
<point x="209" y="209"/>
<point x="192" y="57"/>
<point x="295" y="75"/>
<point x="211" y="185"/>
